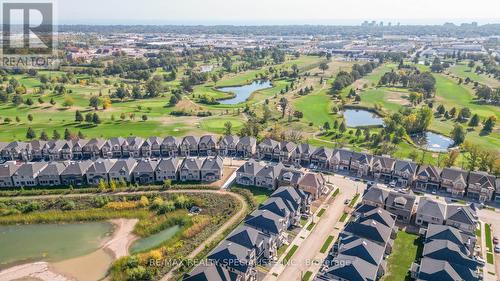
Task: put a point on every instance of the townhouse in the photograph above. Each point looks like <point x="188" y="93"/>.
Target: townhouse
<point x="382" y="168"/>
<point x="267" y="176"/>
<point x="428" y="178"/>
<point x="481" y="186"/>
<point x="189" y="146"/>
<point x="207" y="146"/>
<point x="268" y="149"/>
<point x="27" y="174"/>
<point x="301" y="156"/>
<point x="399" y="203"/>
<point x="190" y="169"/>
<point x="36" y="148"/>
<point x="92" y="149"/>
<point x="256" y="241"/>
<point x="454" y="181"/>
<point x="168" y="169"/>
<point x="75" y="173"/>
<point x="247" y="147"/>
<point x="478" y="186"/>
<point x="404" y="172"/>
<point x="99" y="171"/>
<point x="227" y="146"/>
<point x="51" y="174"/>
<point x="361" y="248"/>
<point x="463" y="218"/>
<point x="446" y="255"/>
<point x="77" y="148"/>
<point x="313" y="184"/>
<point x="361" y="164"/>
<point x="321" y="157"/>
<point x="113" y="148"/>
<point x="144" y="171"/>
<point x="341" y="160"/>
<point x="132" y="147"/>
<point x="7" y="170"/>
<point x="122" y="170"/>
<point x="212" y="169"/>
<point x="170" y="147"/>
<point x="247" y="173"/>
<point x="151" y="147"/>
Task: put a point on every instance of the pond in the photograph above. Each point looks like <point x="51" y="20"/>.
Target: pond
<point x="242" y="93"/>
<point x="359" y="118"/>
<point x="154" y="240"/>
<point x="432" y="141"/>
<point x="50" y="242"/>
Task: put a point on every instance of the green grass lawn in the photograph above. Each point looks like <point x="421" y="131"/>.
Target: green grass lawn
<point x="281" y="250"/>
<point x="407" y="248"/>
<point x="489" y="258"/>
<point x="462" y="70"/>
<point x="290" y="253"/>
<point x="344" y="217"/>
<point x="311" y="226"/>
<point x="326" y="245"/>
<point x="260" y="194"/>
<point x="307" y="276"/>
<point x="316" y="108"/>
<point x="450" y="94"/>
<point x="487" y="236"/>
<point x="216" y="124"/>
<point x="353" y="201"/>
<point x="321" y="212"/>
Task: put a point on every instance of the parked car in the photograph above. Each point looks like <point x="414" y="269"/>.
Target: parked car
<point x="480" y="261"/>
<point x="495" y="240"/>
<point x="497" y="249"/>
<point x="392" y="184"/>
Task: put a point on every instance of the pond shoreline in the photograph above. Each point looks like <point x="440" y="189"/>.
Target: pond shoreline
<point x="78" y="268"/>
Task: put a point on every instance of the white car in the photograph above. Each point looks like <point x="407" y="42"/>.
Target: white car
<point x="497" y="249"/>
<point x="480" y="261"/>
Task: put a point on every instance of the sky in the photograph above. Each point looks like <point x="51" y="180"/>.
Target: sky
<point x="264" y="12"/>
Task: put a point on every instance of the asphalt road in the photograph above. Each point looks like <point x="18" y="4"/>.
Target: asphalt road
<point x="310" y="247"/>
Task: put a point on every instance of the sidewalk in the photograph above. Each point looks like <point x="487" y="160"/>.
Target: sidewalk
<point x="279" y="267"/>
<point x="488" y="267"/>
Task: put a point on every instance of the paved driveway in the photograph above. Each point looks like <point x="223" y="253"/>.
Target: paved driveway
<point x="309" y="249"/>
<point x="493" y="218"/>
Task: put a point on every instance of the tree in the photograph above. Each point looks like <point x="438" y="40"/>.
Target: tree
<point x="67" y="134"/>
<point x="474" y="121"/>
<point x="81" y="135"/>
<point x="44" y="136"/>
<point x="458" y="134"/>
<point x="96" y="119"/>
<point x="342" y="127"/>
<point x="283" y="105"/>
<point x="56" y="135"/>
<point x="30" y="134"/>
<point x="358" y="132"/>
<point x="94" y="102"/>
<point x="17" y="99"/>
<point x="144" y="117"/>
<point x="451" y="158"/>
<point x="52" y="101"/>
<point x="30" y="117"/>
<point x="489" y="124"/>
<point x="326" y="126"/>
<point x="88" y="117"/>
<point x="228" y="128"/>
<point x="68" y="102"/>
<point x="323" y="66"/>
<point x="78" y="116"/>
